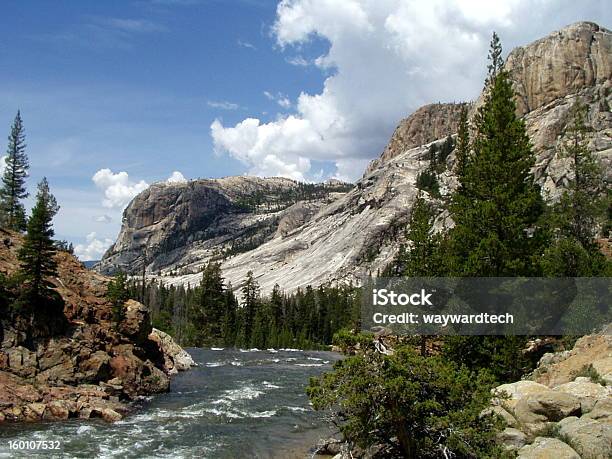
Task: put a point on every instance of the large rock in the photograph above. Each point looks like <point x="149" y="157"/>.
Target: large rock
<point x="175" y="357"/>
<point x="586" y="391"/>
<point x="509" y="394"/>
<point x="590" y="438"/>
<point x="602" y="411"/>
<point x="513" y="439"/>
<point x="137" y="322"/>
<point x="96" y="367"/>
<point x="22" y="361"/>
<point x="546" y="406"/>
<point x="547" y="448"/>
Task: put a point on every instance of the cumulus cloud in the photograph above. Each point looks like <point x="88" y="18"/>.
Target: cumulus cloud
<point x="118" y="188"/>
<point x="93" y="249"/>
<point x="385" y="59"/>
<point x="176" y="177"/>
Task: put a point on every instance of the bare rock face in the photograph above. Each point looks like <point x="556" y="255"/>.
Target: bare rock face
<point x="177" y="226"/>
<point x="344" y="237"/>
<point x="428" y="123"/>
<point x="563" y="63"/>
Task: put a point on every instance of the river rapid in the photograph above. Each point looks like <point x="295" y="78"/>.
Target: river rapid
<point x="234" y="404"/>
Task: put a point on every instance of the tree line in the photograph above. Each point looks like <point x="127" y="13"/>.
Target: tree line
<point x="213" y="314"/>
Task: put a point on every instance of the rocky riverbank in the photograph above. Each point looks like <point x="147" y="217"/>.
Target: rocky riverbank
<point x="85" y="365"/>
<point x="565" y="409"/>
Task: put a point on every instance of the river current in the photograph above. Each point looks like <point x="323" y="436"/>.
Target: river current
<point x="234" y="404"/>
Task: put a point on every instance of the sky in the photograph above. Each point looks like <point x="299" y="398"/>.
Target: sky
<point x="117" y="95"/>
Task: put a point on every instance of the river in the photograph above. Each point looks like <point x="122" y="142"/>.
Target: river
<point x="235" y="404"/>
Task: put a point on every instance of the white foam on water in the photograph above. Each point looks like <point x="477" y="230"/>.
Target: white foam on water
<point x="269" y="385"/>
<point x="237" y="363"/>
<point x="297" y="409"/>
<point x="217" y="348"/>
<point x="244" y="393"/>
<point x="314" y="358"/>
<point x="309" y="364"/>
<point x="273" y="351"/>
<point x="291" y="350"/>
<point x="215" y="364"/>
<point x="83" y="429"/>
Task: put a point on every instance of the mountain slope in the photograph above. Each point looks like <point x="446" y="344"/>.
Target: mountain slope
<point x="357" y="233"/>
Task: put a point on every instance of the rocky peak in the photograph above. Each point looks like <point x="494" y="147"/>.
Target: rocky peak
<point x="565" y="62"/>
<point x="428" y="123"/>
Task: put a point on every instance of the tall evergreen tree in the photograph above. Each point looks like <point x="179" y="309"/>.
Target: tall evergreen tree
<point x="575" y="217"/>
<point x="12" y="190"/>
<point x="498" y="204"/>
<point x="462" y="149"/>
<point x="421" y="258"/>
<point x="250" y="294"/>
<point x="38" y="250"/>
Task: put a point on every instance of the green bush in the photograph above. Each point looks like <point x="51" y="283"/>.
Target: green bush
<point x="406" y="405"/>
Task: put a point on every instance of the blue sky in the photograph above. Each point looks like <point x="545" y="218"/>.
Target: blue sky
<point x="306" y="88"/>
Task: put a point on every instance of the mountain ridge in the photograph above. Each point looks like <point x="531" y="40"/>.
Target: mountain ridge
<point x="357" y="232"/>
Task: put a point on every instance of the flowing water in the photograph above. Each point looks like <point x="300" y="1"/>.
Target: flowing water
<point x="235" y="404"/>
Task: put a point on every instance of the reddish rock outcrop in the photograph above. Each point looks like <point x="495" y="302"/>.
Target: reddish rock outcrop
<point x="88" y="365"/>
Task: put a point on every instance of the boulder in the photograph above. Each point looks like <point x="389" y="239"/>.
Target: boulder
<point x="136" y="324"/>
<point x="110" y="415"/>
<point x="547" y="448"/>
<point x="96" y="367"/>
<point x="22" y="361"/>
<point x="512" y="439"/>
<point x="59" y="410"/>
<point x="516" y="391"/>
<point x="586" y="391"/>
<point x="34" y="411"/>
<point x="602" y="411"/>
<point x="503" y="413"/>
<point x="179" y="359"/>
<point x="590" y="438"/>
<point x="544" y="407"/>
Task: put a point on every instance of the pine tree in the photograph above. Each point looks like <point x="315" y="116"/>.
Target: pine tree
<point x="496" y="61"/>
<point x="38" y="250"/>
<point x="575" y="216"/>
<point x="250" y="294"/>
<point x="462" y="149"/>
<point x="497" y="206"/>
<point x="421" y="260"/>
<point x="117" y="293"/>
<point x="12" y="190"/>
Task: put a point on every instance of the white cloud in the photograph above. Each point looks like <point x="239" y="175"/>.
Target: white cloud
<point x="223" y="105"/>
<point x="2" y="165"/>
<point x="385" y="59"/>
<point x="246" y="44"/>
<point x="118" y="189"/>
<point x="281" y="99"/>
<point x="298" y="61"/>
<point x="176" y="177"/>
<point x="93" y="249"/>
<point x="103" y="218"/>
